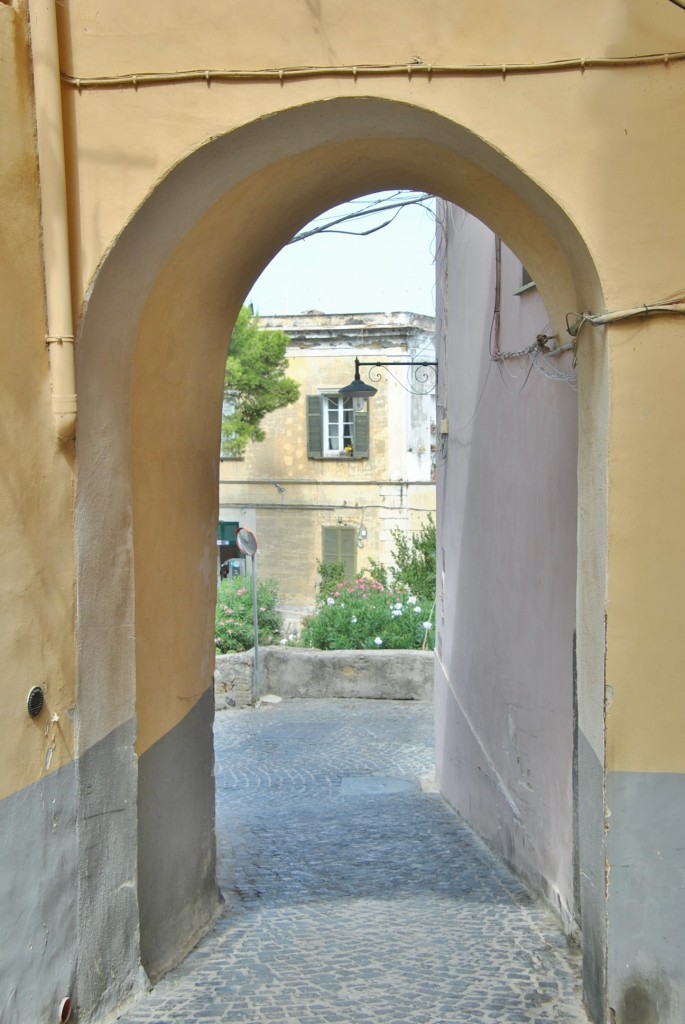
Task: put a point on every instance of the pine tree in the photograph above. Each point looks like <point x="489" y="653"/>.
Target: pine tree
<point x="255" y="383"/>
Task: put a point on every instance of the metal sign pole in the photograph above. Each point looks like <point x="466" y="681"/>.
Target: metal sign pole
<point x="255" y="625"/>
<point x="247" y="544"/>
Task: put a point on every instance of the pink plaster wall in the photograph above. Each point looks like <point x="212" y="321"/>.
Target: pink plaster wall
<point x="507" y="549"/>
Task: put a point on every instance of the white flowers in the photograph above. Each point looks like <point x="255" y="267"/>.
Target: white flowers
<point x="427" y="625"/>
<point x="417" y="610"/>
<point x="330" y="600"/>
<point x="378" y="641"/>
<point x="395" y="612"/>
<point x="353" y="619"/>
<point x="412" y="600"/>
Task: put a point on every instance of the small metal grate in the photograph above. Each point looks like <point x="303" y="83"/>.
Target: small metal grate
<point x="35" y="701"/>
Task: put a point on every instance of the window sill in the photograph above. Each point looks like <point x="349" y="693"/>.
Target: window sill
<point x="337" y="458"/>
<point x="525" y="288"/>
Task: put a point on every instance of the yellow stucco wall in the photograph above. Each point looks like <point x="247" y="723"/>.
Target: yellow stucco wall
<point x="37" y="574"/>
<point x="599" y="164"/>
<point x="646" y="629"/>
<point x="112" y="130"/>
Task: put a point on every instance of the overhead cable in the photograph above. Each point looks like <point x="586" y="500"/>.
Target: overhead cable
<point x="576" y="321"/>
<point x="356" y="71"/>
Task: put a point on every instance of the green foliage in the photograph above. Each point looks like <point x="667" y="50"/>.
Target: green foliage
<point x="331" y="576"/>
<point x="255" y="383"/>
<point x="362" y="614"/>
<point x="414" y="562"/>
<point x="233" y="629"/>
<point x="392" y="610"/>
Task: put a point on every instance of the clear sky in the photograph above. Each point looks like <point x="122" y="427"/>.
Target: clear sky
<point x="390" y="270"/>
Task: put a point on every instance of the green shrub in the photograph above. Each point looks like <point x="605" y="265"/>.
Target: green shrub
<point x="413" y="562"/>
<point x="362" y="614"/>
<point x="233" y="628"/>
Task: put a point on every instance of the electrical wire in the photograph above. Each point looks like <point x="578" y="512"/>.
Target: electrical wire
<point x="415" y="68"/>
<point x="539" y="359"/>
<point x="552" y="372"/>
<point x="328" y="227"/>
<point x="576" y="321"/>
<point x="513" y="391"/>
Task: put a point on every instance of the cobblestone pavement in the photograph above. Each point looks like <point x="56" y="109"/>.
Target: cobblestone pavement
<point x="353" y="893"/>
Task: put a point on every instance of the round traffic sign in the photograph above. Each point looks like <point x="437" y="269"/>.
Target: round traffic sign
<point x="246" y="541"/>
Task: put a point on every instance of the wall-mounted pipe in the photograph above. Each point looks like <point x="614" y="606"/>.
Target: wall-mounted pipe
<point x="356" y="71"/>
<point x="53" y="192"/>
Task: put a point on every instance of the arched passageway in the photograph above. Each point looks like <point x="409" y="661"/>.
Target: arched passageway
<point x="151" y="353"/>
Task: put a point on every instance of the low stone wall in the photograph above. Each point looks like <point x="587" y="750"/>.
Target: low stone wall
<point x="295" y="672"/>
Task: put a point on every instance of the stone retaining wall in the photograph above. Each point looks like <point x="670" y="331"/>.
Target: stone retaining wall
<point x="294" y="672"/>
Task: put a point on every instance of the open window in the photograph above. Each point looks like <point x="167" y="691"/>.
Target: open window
<point x="335" y="429"/>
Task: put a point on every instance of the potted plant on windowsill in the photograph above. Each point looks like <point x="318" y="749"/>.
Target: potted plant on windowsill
<point x="349" y="450"/>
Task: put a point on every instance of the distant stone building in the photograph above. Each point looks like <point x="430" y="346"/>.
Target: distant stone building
<point x="331" y="483"/>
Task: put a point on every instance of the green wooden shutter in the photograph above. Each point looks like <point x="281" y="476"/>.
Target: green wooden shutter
<point x="361" y="434"/>
<point x="348" y="550"/>
<point x="314" y="427"/>
<point x="329" y="545"/>
<point x="339" y="544"/>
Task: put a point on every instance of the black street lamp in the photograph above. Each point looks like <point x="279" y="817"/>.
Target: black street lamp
<point x="424" y="374"/>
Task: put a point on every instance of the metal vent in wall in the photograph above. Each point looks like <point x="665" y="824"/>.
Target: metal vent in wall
<point x="35" y="701"/>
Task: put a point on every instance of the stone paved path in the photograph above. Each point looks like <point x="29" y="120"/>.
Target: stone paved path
<point x="353" y="893"/>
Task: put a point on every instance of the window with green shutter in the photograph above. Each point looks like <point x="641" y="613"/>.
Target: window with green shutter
<point x="339" y="544"/>
<point x="314" y="427"/>
<point x="360" y="433"/>
<point x="335" y="429"/>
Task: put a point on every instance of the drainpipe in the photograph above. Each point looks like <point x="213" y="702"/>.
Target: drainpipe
<point x="53" y="192"/>
<point x="498" y="295"/>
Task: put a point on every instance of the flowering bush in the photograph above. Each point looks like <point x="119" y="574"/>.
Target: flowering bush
<point x="362" y="614"/>
<point x="233" y="629"/>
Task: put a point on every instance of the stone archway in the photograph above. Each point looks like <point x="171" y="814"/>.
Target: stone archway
<point x="151" y="352"/>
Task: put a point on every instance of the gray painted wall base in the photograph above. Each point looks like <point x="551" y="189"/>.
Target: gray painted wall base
<point x="177" y="888"/>
<point x="591" y="854"/>
<point x="109" y="971"/>
<point x="68" y="902"/>
<point x="646" y="904"/>
<point x="38" y="883"/>
<point x="69" y="880"/>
